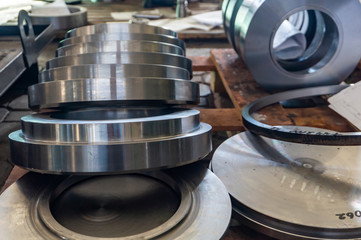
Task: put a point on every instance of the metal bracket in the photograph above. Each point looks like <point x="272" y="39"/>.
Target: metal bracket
<point x="32" y="45"/>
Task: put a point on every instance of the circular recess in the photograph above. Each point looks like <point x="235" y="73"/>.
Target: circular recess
<point x="184" y="203"/>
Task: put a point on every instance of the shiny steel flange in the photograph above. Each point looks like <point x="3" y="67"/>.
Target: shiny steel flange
<point x="115" y="27"/>
<point x="332" y="47"/>
<point x="119" y="46"/>
<point x="185" y="203"/>
<point x="123" y="36"/>
<point x="76" y="18"/>
<point x="292" y="190"/>
<point x="113" y="71"/>
<point x="102" y="92"/>
<point x="122" y="57"/>
<point x="109" y="140"/>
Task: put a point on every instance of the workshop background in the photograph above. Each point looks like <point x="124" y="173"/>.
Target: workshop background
<point x="241" y="52"/>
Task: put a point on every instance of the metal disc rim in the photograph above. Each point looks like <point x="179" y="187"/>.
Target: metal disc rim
<point x="68" y="94"/>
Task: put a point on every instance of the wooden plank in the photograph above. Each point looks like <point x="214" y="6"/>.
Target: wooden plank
<point x="202" y="64"/>
<point x="242" y="89"/>
<point x="222" y="119"/>
<point x="239" y="83"/>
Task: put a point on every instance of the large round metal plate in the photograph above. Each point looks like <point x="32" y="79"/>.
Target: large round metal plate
<point x="115" y="27"/>
<point x="184" y="203"/>
<point x="111" y="156"/>
<point x="102" y="92"/>
<point x="122" y="57"/>
<point x="120" y="71"/>
<point x="292" y="190"/>
<point x="119" y="125"/>
<point x="119" y="46"/>
<point x="123" y="36"/>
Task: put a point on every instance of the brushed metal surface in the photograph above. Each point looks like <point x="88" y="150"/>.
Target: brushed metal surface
<point x="292" y="190"/>
<point x="122" y="57"/>
<point x="123" y="36"/>
<point x="184" y="203"/>
<point x="102" y="92"/>
<point x="118" y="125"/>
<point x="119" y="46"/>
<point x="329" y="58"/>
<point x="113" y="71"/>
<point x="115" y="27"/>
<point x="110" y="156"/>
<point x="76" y="18"/>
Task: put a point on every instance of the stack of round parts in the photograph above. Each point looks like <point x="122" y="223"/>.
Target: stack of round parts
<point x="331" y="30"/>
<point x="107" y="113"/>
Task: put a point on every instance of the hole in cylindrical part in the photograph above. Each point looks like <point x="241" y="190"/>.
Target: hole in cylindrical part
<point x="305" y="41"/>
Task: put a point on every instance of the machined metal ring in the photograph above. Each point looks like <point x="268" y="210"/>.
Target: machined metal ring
<point x="119" y="46"/>
<point x="103" y="92"/>
<point x="184" y="203"/>
<point x="114" y="27"/>
<point x="109" y="125"/>
<point x="122" y="57"/>
<point x="298" y="136"/>
<point x="76" y="18"/>
<point x="119" y="71"/>
<point x="123" y="36"/>
<point x="68" y="142"/>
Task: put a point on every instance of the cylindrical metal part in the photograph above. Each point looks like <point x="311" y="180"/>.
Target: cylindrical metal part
<point x="122" y="58"/>
<point x="102" y="92"/>
<point x="123" y="36"/>
<point x="115" y="27"/>
<point x="76" y="18"/>
<point x="119" y="71"/>
<point x="119" y="46"/>
<point x="332" y="40"/>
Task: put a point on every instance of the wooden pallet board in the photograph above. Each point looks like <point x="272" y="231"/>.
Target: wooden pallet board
<point x="243" y="89"/>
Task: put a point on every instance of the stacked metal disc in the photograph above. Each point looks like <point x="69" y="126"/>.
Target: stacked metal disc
<point x="331" y="31"/>
<point x="110" y="103"/>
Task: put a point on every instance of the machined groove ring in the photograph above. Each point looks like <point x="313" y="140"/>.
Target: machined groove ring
<point x="113" y="71"/>
<point x="123" y="36"/>
<point x="118" y="46"/>
<point x="115" y="27"/>
<point x="102" y="92"/>
<point x="122" y="57"/>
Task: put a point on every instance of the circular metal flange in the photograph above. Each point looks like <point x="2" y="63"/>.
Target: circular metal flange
<point x="68" y="142"/>
<point x="321" y="136"/>
<point x="109" y="125"/>
<point x="102" y="92"/>
<point x="184" y="203"/>
<point x="252" y="26"/>
<point x="76" y="18"/>
<point x="119" y="46"/>
<point x="123" y="36"/>
<point x="115" y="27"/>
<point x="311" y="191"/>
<point x="122" y="57"/>
<point x="119" y="71"/>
